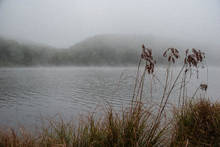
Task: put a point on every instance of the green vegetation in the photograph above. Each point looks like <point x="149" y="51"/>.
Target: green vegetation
<point x="194" y="122"/>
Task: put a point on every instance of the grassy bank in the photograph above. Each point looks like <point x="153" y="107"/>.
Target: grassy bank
<point x="192" y="122"/>
<point x="196" y="124"/>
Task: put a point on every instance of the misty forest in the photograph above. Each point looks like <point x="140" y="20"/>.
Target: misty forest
<point x="110" y="50"/>
<point x="109" y="73"/>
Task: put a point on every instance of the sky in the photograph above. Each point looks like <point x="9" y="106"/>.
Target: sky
<point x="62" y="23"/>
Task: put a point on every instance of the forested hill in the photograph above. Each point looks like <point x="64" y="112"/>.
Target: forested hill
<point x="114" y="50"/>
<point x="13" y="53"/>
<point x="98" y="50"/>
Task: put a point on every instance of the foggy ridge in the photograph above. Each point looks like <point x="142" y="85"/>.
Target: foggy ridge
<point x="106" y="49"/>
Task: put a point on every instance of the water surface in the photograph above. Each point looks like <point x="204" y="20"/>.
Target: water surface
<point x="28" y="94"/>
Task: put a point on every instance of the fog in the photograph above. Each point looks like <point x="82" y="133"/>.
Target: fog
<point x="63" y="23"/>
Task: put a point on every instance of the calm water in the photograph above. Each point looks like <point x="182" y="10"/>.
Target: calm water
<point x="29" y="94"/>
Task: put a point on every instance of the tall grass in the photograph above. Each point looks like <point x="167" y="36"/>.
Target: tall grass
<point x="197" y="124"/>
<point x="130" y="127"/>
<point x="139" y="124"/>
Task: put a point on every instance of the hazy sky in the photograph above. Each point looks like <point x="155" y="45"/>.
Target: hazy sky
<point x="62" y="23"/>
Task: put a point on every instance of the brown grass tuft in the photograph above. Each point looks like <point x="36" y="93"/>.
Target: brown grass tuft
<point x="197" y="124"/>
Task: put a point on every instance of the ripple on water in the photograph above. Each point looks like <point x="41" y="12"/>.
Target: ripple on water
<point x="28" y="93"/>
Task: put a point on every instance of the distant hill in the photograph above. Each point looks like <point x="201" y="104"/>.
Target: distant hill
<point x="107" y="49"/>
<point x="13" y="53"/>
<point x="125" y="49"/>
